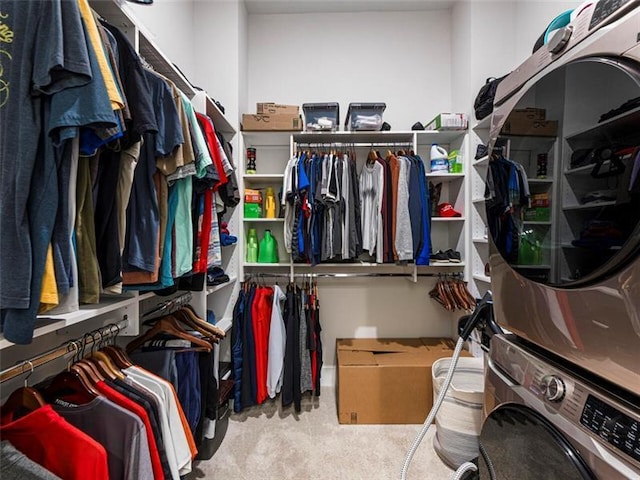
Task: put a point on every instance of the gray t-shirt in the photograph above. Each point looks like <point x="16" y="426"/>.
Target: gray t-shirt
<point x="119" y="431"/>
<point x="42" y="51"/>
<point x="14" y="465"/>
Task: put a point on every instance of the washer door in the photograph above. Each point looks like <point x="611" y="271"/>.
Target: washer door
<point x="521" y="444"/>
<point x="563" y="183"/>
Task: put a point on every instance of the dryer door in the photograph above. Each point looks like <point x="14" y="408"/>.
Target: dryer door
<point x="563" y="185"/>
<point x="518" y="443"/>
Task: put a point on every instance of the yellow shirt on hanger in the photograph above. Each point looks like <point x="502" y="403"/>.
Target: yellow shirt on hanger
<point x="49" y="295"/>
<point x="117" y="102"/>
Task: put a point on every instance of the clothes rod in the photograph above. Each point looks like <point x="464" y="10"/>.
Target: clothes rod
<point x="70" y="347"/>
<point x="360" y="144"/>
<point x="175" y="302"/>
<point x="342" y="275"/>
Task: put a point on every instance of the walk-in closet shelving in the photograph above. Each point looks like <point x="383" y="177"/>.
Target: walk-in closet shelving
<point x="131" y="304"/>
<point x="479" y="245"/>
<point x="273" y="149"/>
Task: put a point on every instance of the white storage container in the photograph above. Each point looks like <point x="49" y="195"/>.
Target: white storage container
<point x="459" y="420"/>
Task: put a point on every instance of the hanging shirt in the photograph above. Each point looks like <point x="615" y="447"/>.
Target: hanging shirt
<point x="371" y="184"/>
<point x="45" y="53"/>
<point x="120" y="432"/>
<point x="183" y="228"/>
<point x="14" y="465"/>
<point x="178" y="435"/>
<point x="277" y="344"/>
<point x="47" y="439"/>
<point x="148" y="403"/>
<point x="288" y="189"/>
<point x="124" y="402"/>
<point x="403" y="238"/>
<point x="346" y="219"/>
<point x="92" y="29"/>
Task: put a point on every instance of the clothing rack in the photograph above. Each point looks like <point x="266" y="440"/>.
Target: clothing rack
<point x="72" y="346"/>
<point x="170" y="305"/>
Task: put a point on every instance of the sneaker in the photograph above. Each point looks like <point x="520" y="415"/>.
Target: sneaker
<point x="439" y="256"/>
<point x="453" y="256"/>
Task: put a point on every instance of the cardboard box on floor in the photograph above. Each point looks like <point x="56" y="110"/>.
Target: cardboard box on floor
<point x="387" y="381"/>
<point x="275" y="122"/>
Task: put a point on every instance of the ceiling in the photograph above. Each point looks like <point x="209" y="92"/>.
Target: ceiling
<point x="259" y="7"/>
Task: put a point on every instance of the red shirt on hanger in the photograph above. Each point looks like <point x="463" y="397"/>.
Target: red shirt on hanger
<point x="47" y="439"/>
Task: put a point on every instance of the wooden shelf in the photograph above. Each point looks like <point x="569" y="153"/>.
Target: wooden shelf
<point x="263" y="178"/>
<point x="50" y="323"/>
<point x="445" y="177"/>
<point x="546" y="224"/>
<point x="481" y="278"/>
<point x="483" y="161"/>
<point x="225" y="324"/>
<point x="613" y="130"/>
<point x="590" y="206"/>
<point x="222" y="286"/>
<point x="267" y="265"/>
<point x="447" y="219"/>
<point x="263" y="220"/>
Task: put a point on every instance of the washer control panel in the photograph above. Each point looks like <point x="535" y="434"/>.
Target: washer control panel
<point x="553" y="388"/>
<point x="613" y="426"/>
<point x="604" y="9"/>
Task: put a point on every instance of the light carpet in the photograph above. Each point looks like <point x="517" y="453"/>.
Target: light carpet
<point x="268" y="442"/>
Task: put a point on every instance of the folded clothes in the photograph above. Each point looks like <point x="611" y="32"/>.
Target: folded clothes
<point x="226" y="239"/>
<point x="216" y="276"/>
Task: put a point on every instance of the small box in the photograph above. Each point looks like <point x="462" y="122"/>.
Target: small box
<point x="321" y="116"/>
<point x="364" y="116"/>
<point x="530" y="128"/>
<point x="252" y="196"/>
<point x="448" y="121"/>
<point x="270" y="108"/>
<point x="540" y="200"/>
<point x="279" y="122"/>
<point x="387" y="381"/>
<point x="528" y="113"/>
<point x="252" y="210"/>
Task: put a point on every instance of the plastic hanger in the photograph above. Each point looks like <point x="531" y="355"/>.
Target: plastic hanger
<point x="23" y="400"/>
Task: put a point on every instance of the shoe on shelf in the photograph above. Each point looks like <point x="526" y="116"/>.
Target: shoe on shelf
<point x="453" y="256"/>
<point x="439" y="256"/>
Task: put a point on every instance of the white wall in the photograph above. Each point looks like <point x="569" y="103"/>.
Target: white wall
<point x="400" y="58"/>
<point x="171" y="23"/>
<point x="379" y="307"/>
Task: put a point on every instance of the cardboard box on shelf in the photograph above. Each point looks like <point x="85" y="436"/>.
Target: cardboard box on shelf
<point x="528" y="113"/>
<point x="271" y="108"/>
<point x="530" y="128"/>
<point x="276" y="122"/>
<point x="387" y="381"/>
<point x="448" y="121"/>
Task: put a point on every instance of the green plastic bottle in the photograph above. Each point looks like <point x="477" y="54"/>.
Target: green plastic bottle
<point x="252" y="246"/>
<point x="268" y="251"/>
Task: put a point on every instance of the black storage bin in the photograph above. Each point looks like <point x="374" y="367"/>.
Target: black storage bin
<point x="320" y="117"/>
<point x="364" y="116"/>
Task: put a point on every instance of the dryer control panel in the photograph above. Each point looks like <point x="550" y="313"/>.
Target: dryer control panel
<point x="612" y="426"/>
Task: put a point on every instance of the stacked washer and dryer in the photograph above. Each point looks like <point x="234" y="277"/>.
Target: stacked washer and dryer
<point x="562" y="390"/>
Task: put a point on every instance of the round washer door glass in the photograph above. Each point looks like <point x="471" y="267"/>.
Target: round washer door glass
<point x="563" y="180"/>
<point x="519" y="443"/>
